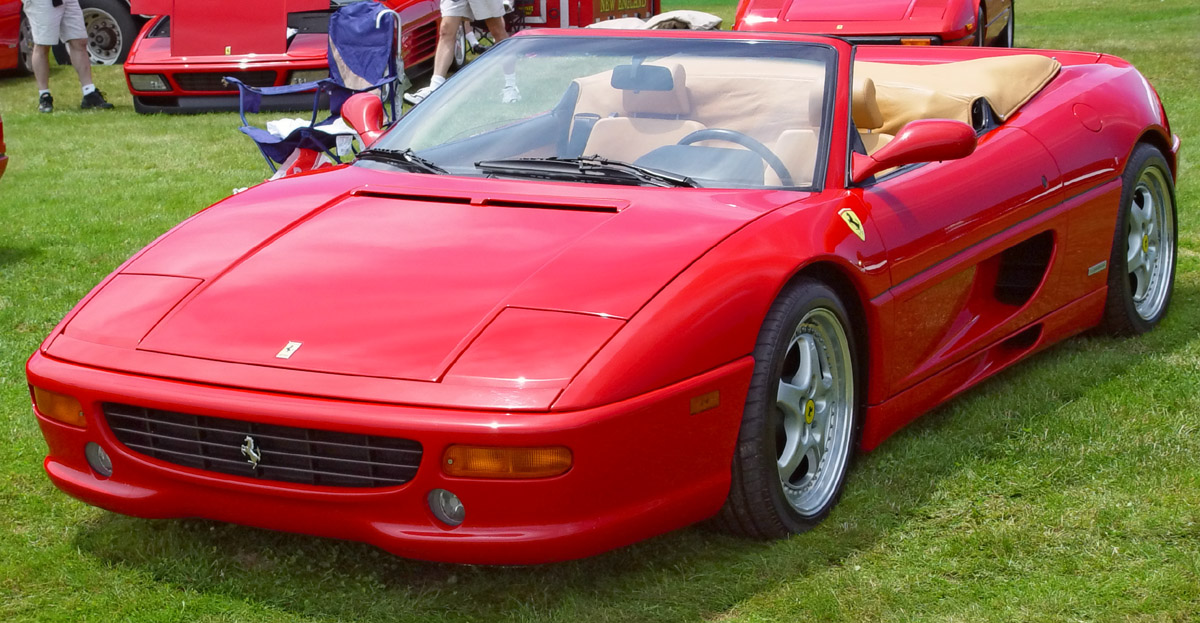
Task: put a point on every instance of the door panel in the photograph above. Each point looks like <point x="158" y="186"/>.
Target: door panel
<point x="946" y="226"/>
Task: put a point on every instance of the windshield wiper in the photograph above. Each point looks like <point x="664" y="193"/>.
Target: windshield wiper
<point x="401" y="157"/>
<point x="585" y="169"/>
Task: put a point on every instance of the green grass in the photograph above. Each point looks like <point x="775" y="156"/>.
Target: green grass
<point x="1066" y="489"/>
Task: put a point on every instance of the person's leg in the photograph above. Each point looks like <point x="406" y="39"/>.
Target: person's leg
<point x="81" y="61"/>
<point x="510" y="93"/>
<point x="447" y="38"/>
<point x="41" y="66"/>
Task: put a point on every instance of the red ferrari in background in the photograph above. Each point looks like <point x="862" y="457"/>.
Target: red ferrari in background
<point x="908" y="22"/>
<point x="687" y="275"/>
<point x="15" y="39"/>
<point x="163" y="82"/>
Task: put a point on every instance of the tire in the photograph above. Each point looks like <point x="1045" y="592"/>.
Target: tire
<point x="1141" y="268"/>
<point x="24" y="47"/>
<point x="1008" y="37"/>
<point x="460" y="48"/>
<point x="111" y="30"/>
<point x="801" y="421"/>
<point x="980" y="27"/>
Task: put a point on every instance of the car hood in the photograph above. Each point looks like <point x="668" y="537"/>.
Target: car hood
<point x="382" y="280"/>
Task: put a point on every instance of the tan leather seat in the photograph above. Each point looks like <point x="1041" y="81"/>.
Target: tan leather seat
<point x="868" y="118"/>
<point x="652" y="119"/>
<point x="797" y="147"/>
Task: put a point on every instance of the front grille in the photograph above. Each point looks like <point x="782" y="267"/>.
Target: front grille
<point x="300" y="455"/>
<point x="216" y="81"/>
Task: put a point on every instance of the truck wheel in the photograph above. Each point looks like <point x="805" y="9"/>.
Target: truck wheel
<point x="111" y="31"/>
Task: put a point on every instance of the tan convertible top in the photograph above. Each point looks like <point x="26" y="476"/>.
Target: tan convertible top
<point x="946" y="91"/>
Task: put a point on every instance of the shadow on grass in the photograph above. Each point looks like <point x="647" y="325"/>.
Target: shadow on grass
<point x="686" y="575"/>
<point x="16" y="255"/>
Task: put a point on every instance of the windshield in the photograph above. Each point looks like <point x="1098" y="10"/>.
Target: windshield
<point x="720" y="113"/>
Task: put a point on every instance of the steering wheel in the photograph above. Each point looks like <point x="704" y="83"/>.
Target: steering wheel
<point x="733" y="136"/>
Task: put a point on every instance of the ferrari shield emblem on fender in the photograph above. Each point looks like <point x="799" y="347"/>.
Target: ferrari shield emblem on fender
<point x="251" y="451"/>
<point x="853" y="223"/>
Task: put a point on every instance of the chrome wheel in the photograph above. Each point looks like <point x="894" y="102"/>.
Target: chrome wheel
<point x="105" y="40"/>
<point x="800" y="422"/>
<point x="814" y="401"/>
<point x="1150" y="249"/>
<point x="25" y="47"/>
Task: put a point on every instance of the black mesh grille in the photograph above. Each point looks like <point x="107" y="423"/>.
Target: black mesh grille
<point x="300" y="455"/>
<point x="216" y="81"/>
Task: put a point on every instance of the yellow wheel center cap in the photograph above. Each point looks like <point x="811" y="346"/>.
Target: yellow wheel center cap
<point x="1145" y="244"/>
<point x="810" y="409"/>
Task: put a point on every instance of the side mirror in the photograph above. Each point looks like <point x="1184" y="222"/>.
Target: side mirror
<point x="923" y="140"/>
<point x="364" y="113"/>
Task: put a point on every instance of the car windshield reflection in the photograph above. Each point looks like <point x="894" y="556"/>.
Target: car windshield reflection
<point x="708" y="112"/>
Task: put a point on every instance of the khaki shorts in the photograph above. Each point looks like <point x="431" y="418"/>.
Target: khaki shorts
<point x="51" y="24"/>
<point x="472" y="9"/>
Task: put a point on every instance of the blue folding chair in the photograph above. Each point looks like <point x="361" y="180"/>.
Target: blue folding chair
<point x="363" y="39"/>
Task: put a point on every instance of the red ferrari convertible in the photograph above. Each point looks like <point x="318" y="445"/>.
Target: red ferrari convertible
<point x="163" y="81"/>
<point x="687" y="275"/>
<point x="896" y="22"/>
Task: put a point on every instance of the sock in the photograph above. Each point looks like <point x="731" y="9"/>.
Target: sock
<point x="42" y="92"/>
<point x="436" y="81"/>
<point x="88" y="88"/>
<point x="510" y="80"/>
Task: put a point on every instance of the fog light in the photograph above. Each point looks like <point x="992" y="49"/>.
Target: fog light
<point x="58" y="407"/>
<point x="446" y="507"/>
<point x="148" y="82"/>
<point x="98" y="459"/>
<point x="502" y="462"/>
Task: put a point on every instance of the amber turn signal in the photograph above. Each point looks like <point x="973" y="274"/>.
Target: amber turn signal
<point x="915" y="42"/>
<point x="58" y="407"/>
<point x="502" y="462"/>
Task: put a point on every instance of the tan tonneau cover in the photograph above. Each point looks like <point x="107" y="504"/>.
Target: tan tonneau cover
<point x="947" y="91"/>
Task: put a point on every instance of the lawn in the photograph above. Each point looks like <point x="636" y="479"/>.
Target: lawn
<point x="1066" y="489"/>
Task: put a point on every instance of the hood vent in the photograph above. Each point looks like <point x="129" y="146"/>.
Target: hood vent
<point x="571" y="204"/>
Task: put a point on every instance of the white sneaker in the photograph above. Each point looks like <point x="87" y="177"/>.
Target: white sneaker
<point x="418" y="96"/>
<point x="510" y="94"/>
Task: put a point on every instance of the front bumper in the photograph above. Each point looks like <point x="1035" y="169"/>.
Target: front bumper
<point x="642" y="467"/>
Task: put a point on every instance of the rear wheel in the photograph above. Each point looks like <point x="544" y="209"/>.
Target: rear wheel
<point x="800" y="422"/>
<point x="980" y="27"/>
<point x="1141" y="269"/>
<point x="25" y="47"/>
<point x="1008" y="37"/>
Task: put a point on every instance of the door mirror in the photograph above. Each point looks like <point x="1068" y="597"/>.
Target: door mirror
<point x="923" y="140"/>
<point x="364" y="113"/>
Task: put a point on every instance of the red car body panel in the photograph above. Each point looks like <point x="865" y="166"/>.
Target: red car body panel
<point x="10" y="23"/>
<point x="349" y="256"/>
<point x="948" y="22"/>
<point x="195" y="82"/>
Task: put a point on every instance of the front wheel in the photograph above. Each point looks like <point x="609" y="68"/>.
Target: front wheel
<point x="1141" y="268"/>
<point x="1008" y="37"/>
<point x="980" y="27"/>
<point x="801" y="419"/>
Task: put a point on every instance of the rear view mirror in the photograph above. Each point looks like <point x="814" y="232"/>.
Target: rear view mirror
<point x="923" y="140"/>
<point x="641" y="77"/>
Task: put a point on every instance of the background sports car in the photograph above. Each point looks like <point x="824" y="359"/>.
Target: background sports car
<point x="653" y="291"/>
<point x="14" y="37"/>
<point x="163" y="82"/>
<point x="908" y="22"/>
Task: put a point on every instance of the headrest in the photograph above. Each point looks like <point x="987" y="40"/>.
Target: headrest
<point x="816" y="106"/>
<point x="666" y="98"/>
<point x="864" y="109"/>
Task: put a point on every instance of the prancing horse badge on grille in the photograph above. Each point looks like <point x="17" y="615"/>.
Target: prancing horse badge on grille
<point x="251" y="452"/>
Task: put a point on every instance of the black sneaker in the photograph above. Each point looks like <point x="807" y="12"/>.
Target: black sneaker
<point x="45" y="103"/>
<point x="95" y="99"/>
